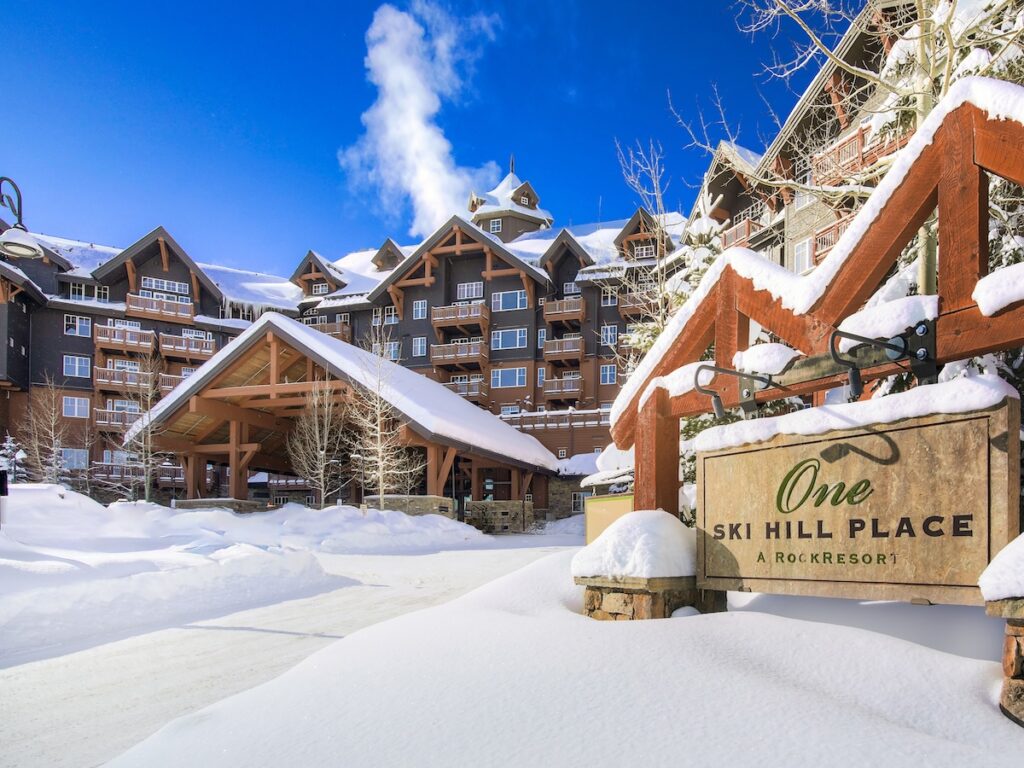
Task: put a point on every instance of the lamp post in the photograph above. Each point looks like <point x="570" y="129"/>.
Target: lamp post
<point x="16" y="242"/>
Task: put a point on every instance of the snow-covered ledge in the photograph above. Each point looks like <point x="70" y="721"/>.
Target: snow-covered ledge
<point x="643" y="566"/>
<point x="1002" y="586"/>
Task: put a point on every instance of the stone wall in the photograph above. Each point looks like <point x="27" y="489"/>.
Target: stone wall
<point x="415" y="505"/>
<point x="632" y="599"/>
<point x="1011" y="699"/>
<point x="560" y="491"/>
<point x="500" y="516"/>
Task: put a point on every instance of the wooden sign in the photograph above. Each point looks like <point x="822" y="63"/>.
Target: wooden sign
<point x="910" y="510"/>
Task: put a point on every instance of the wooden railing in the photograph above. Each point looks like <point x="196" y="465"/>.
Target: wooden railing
<point x="466" y="314"/>
<point x="287" y="481"/>
<point x="563" y="347"/>
<point x="119" y="377"/>
<point x="564" y="309"/>
<point x="169" y="381"/>
<point x="454" y="353"/>
<point x="103" y="470"/>
<point x="563" y="387"/>
<point x="159" y="307"/>
<point x="185" y="345"/>
<point x="115" y="419"/>
<point x="128" y="338"/>
<point x="825" y="239"/>
<point x="468" y="388"/>
<point x="558" y="419"/>
<point x="853" y="154"/>
<point x="338" y="330"/>
<point x="739" y="234"/>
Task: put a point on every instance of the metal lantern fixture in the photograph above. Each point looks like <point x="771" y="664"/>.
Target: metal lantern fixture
<point x="16" y="242"/>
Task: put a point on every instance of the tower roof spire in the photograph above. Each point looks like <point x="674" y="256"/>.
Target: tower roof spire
<point x="512" y="163"/>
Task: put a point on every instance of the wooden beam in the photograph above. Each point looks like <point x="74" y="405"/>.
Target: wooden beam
<point x="200" y="405"/>
<point x="397" y="298"/>
<point x="255" y="390"/>
<point x="129" y="266"/>
<point x="216" y="449"/>
<point x="164" y="259"/>
<point x="657" y="456"/>
<point x="195" y="285"/>
<point x="239" y="480"/>
<point x="445" y="468"/>
<point x="275" y="362"/>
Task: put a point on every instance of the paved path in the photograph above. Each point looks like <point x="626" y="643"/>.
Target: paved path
<point x="84" y="708"/>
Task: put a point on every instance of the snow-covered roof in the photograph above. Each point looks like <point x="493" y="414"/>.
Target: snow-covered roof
<point x="84" y="257"/>
<point x="580" y="464"/>
<point x="430" y="409"/>
<point x="502" y="199"/>
<point x="256" y="289"/>
<point x="741" y="158"/>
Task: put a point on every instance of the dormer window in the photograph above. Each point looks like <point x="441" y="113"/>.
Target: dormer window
<point x="570" y="288"/>
<point x="494" y="226"/>
<point x="524" y="200"/>
<point x="319" y="289"/>
<point x="77" y="291"/>
<point x="643" y="251"/>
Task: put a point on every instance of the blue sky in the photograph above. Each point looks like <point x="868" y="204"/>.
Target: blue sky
<point x="225" y="126"/>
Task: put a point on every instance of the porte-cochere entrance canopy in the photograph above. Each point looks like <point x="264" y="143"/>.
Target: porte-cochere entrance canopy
<point x="238" y="407"/>
<point x="977" y="129"/>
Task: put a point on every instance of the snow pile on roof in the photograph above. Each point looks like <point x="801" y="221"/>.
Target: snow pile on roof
<point x="741" y="157"/>
<point x="769" y="359"/>
<point x="256" y="289"/>
<point x="501" y="199"/>
<point x="1004" y="576"/>
<point x="998" y="290"/>
<point x="644" y="544"/>
<point x="799" y="293"/>
<point x="962" y="394"/>
<point x="679" y="382"/>
<point x="613" y="467"/>
<point x="84" y="256"/>
<point x="578" y="465"/>
<point x="360" y="276"/>
<point x="423" y="402"/>
<point x="889" y="319"/>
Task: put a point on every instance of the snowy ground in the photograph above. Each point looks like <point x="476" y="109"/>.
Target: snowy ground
<point x="114" y="622"/>
<point x="512" y="674"/>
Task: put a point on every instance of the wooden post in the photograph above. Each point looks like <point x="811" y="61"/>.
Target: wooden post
<point x="476" y="484"/>
<point x="195" y="474"/>
<point x="433" y="464"/>
<point x="517" y="477"/>
<point x="239" y="480"/>
<point x="657" y="456"/>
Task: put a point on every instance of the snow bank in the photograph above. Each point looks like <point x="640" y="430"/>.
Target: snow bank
<point x="1004" y="576"/>
<point x="573" y="525"/>
<point x="769" y="359"/>
<point x="998" y="290"/>
<point x="643" y="544"/>
<point x="883" y="321"/>
<point x="741" y="688"/>
<point x="966" y="393"/>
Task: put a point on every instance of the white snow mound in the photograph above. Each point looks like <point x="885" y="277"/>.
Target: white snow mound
<point x="643" y="544"/>
<point x="1004" y="577"/>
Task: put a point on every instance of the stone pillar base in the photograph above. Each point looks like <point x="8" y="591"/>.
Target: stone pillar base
<point x="629" y="599"/>
<point x="1011" y="701"/>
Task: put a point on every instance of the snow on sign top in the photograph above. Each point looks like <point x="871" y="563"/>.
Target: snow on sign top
<point x="644" y="544"/>
<point x="1000" y="100"/>
<point x="424" y="402"/>
<point x="967" y="393"/>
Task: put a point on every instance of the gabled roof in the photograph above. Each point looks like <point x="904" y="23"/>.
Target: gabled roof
<point x="23" y="281"/>
<point x="133" y="250"/>
<point x="388" y="256"/>
<point x="76" y="256"/>
<point x="566" y="240"/>
<point x="504" y="199"/>
<point x="323" y="265"/>
<point x="642" y="220"/>
<point x="474" y="232"/>
<point x="431" y="410"/>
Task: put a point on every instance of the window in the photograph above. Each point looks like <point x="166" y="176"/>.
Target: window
<point x="103" y="293"/>
<point x="495" y="226"/>
<point x="377" y="312"/>
<point x="802" y="256"/>
<point x="645" y="251"/>
<point x="165" y="296"/>
<point x="561" y="454"/>
<point x="126" y="365"/>
<point x="509" y="410"/>
<point x="186" y="372"/>
<point x="76" y="291"/>
<point x="524" y="200"/>
<point x="279" y="500"/>
<point x="609" y="335"/>
<point x="528" y="497"/>
<point x="609" y="297"/>
<point x="509" y="338"/>
<point x="310" y="501"/>
<point x="578" y="501"/>
<point x="466" y="291"/>
<point x="392" y="350"/>
<point x="570" y="288"/>
<point x="319" y="289"/>
<point x="77" y="366"/>
<point x="419" y="346"/>
<point x="76" y="407"/>
<point x="75" y="458"/>
<point x="508" y="377"/>
<point x="542" y="336"/>
<point x="419" y="309"/>
<point x="123" y="406"/>
<point x="159" y="284"/>
<point x="390" y="315"/>
<point x="342" y="317"/>
<point x="803" y="198"/>
<point x="192" y="333"/>
<point x="504" y="301"/>
<point x="77" y="325"/>
<point x="609" y="373"/>
<point x="319" y="320"/>
<point x="540" y="377"/>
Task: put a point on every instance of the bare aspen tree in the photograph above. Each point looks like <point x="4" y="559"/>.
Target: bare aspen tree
<point x="317" y="441"/>
<point x="45" y="433"/>
<point x="383" y="461"/>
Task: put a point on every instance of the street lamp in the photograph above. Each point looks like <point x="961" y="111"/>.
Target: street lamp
<point x="16" y="242"/>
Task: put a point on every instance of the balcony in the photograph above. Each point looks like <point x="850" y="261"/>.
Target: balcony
<point x="463" y="317"/>
<point x="825" y="239"/>
<point x="474" y="354"/>
<point x="159" y="309"/>
<point x="102" y="470"/>
<point x="528" y="422"/>
<point x="338" y="330"/>
<point x="169" y="381"/>
<point x="570" y="311"/>
<point x="739" y="234"/>
<point x="563" y="350"/>
<point x="563" y="389"/>
<point x="120" y="379"/>
<point x="636" y="304"/>
<point x="474" y="391"/>
<point x="287" y="483"/>
<point x="114" y="421"/>
<point x="186" y="347"/>
<point x="124" y="339"/>
<point x="852" y="154"/>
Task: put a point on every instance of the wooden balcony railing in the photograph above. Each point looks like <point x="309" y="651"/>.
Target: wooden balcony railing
<point x="458" y="354"/>
<point x="103" y="470"/>
<point x="130" y="339"/>
<point x="150" y="307"/>
<point x="471" y="390"/>
<point x="633" y="304"/>
<point x="461" y="314"/>
<point x="169" y="381"/>
<point x="115" y="420"/>
<point x="338" y="330"/>
<point x="740" y="234"/>
<point x="121" y="378"/>
<point x="852" y="154"/>
<point x="563" y="388"/>
<point x="571" y="309"/>
<point x="558" y="419"/>
<point x="825" y="239"/>
<point x="278" y="482"/>
<point x="562" y="349"/>
<point x="185" y="346"/>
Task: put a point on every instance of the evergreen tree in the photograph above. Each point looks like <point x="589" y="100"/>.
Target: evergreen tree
<point x="12" y="459"/>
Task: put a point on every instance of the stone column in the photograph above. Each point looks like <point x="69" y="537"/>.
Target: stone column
<point x="1011" y="701"/>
